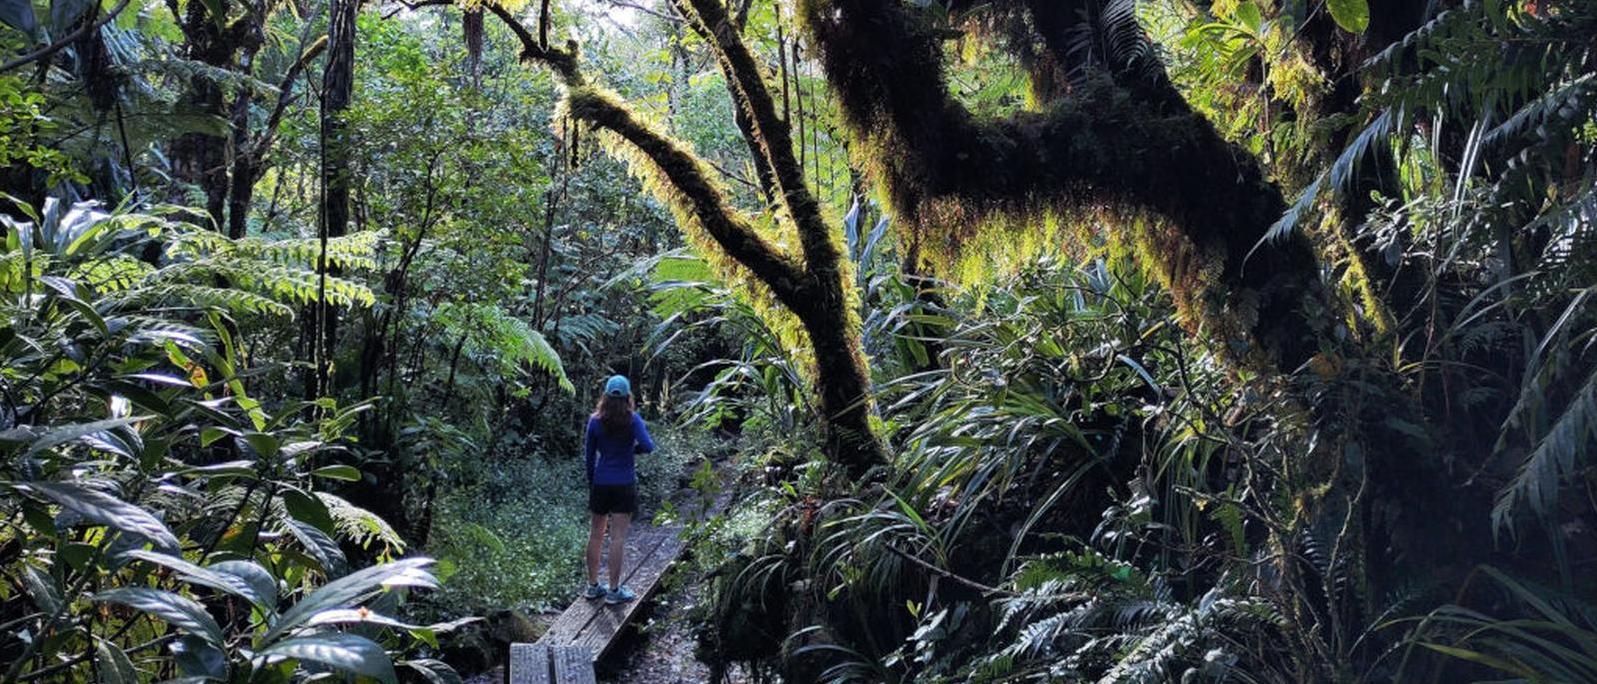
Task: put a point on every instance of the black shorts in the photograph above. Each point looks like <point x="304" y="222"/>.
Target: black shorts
<point x="607" y="499"/>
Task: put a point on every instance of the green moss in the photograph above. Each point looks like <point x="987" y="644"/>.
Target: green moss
<point x="1127" y="152"/>
<point x="815" y="290"/>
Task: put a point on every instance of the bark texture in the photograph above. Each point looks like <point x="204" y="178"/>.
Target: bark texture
<point x="1118" y="139"/>
<point x="201" y="158"/>
<point x="338" y="82"/>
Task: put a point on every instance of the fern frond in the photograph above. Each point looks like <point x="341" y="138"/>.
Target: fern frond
<point x="349" y="252"/>
<point x="490" y="332"/>
<point x="1560" y="453"/>
<point x="174" y="67"/>
<point x="359" y="525"/>
<point x="204" y="297"/>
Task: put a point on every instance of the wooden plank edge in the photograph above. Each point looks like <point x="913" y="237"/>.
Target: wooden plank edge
<point x="529" y="664"/>
<point x="636" y="605"/>
<point x="559" y="631"/>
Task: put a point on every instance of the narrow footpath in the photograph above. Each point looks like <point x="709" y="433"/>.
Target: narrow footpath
<point x="651" y="642"/>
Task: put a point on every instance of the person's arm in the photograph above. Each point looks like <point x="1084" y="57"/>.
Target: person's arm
<point x="590" y="448"/>
<point x="642" y="443"/>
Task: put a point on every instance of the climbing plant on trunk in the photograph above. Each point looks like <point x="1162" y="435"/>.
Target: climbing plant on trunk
<point x="812" y="282"/>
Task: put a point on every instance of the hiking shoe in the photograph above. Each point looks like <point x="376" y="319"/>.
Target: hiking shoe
<point x="619" y="595"/>
<point x="594" y="591"/>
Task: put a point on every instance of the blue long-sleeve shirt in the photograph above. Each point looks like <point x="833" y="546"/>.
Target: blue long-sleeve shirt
<point x="610" y="457"/>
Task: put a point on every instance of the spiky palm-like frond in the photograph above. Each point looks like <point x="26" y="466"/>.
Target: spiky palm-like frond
<point x="1563" y="451"/>
<point x="1079" y="613"/>
<point x="1536" y="635"/>
<point x="1520" y="79"/>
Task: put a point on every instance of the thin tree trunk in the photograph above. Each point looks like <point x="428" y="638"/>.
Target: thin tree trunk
<point x="551" y="200"/>
<point x="337" y="90"/>
<point x="249" y="152"/>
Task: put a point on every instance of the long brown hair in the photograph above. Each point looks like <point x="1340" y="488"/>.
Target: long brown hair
<point x="614" y="413"/>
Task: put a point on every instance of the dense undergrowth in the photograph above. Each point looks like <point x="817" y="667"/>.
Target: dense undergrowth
<point x="301" y="393"/>
<point x="507" y="538"/>
<point x="229" y="457"/>
<point x="1081" y="490"/>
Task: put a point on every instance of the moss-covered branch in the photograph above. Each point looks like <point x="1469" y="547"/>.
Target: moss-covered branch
<point x="688" y="186"/>
<point x="772" y="134"/>
<point x="815" y="289"/>
<point x="1193" y="204"/>
<point x="688" y="183"/>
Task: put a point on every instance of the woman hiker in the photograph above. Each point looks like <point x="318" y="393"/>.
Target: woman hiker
<point x="615" y="434"/>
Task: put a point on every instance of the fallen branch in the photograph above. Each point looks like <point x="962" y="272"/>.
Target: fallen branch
<point x="978" y="586"/>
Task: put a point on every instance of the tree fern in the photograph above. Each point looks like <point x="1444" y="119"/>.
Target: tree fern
<point x="509" y="343"/>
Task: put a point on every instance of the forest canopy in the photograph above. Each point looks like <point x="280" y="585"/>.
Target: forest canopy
<point x="1115" y="340"/>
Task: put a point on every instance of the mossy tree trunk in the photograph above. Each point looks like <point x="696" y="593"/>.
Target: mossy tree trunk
<point x="201" y="158"/>
<point x="813" y="283"/>
<point x="1120" y="138"/>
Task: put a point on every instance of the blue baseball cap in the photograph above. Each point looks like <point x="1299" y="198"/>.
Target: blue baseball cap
<point x="617" y="386"/>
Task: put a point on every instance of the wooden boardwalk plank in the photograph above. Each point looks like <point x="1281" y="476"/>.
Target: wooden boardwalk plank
<point x="593" y="625"/>
<point x="583" y="611"/>
<point x="601" y="633"/>
<point x="529" y="664"/>
<point x="587" y="630"/>
<point x="572" y="666"/>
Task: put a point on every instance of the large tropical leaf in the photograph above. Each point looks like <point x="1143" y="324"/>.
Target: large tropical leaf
<point x="179" y="611"/>
<point x="102" y="508"/>
<point x="354" y="588"/>
<point x="219" y="579"/>
<point x="346" y="652"/>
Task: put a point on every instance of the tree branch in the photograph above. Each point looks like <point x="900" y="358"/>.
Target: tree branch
<point x="1193" y="202"/>
<point x="285" y="96"/>
<point x="686" y="179"/>
<point x="644" y="10"/>
<point x="740" y="114"/>
<point x="771" y="133"/>
<point x="48" y="50"/>
<point x="564" y="62"/>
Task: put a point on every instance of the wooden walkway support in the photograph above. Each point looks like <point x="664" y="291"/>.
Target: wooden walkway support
<point x="588" y="629"/>
<point x="541" y="664"/>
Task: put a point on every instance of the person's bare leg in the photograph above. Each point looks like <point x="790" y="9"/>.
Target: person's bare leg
<point x="596" y="524"/>
<point x="618" y="546"/>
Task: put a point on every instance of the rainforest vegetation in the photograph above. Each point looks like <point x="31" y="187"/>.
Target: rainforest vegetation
<point x="1019" y="340"/>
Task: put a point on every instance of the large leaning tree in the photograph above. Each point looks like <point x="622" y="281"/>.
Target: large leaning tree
<point x="811" y="282"/>
<point x="1116" y="143"/>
